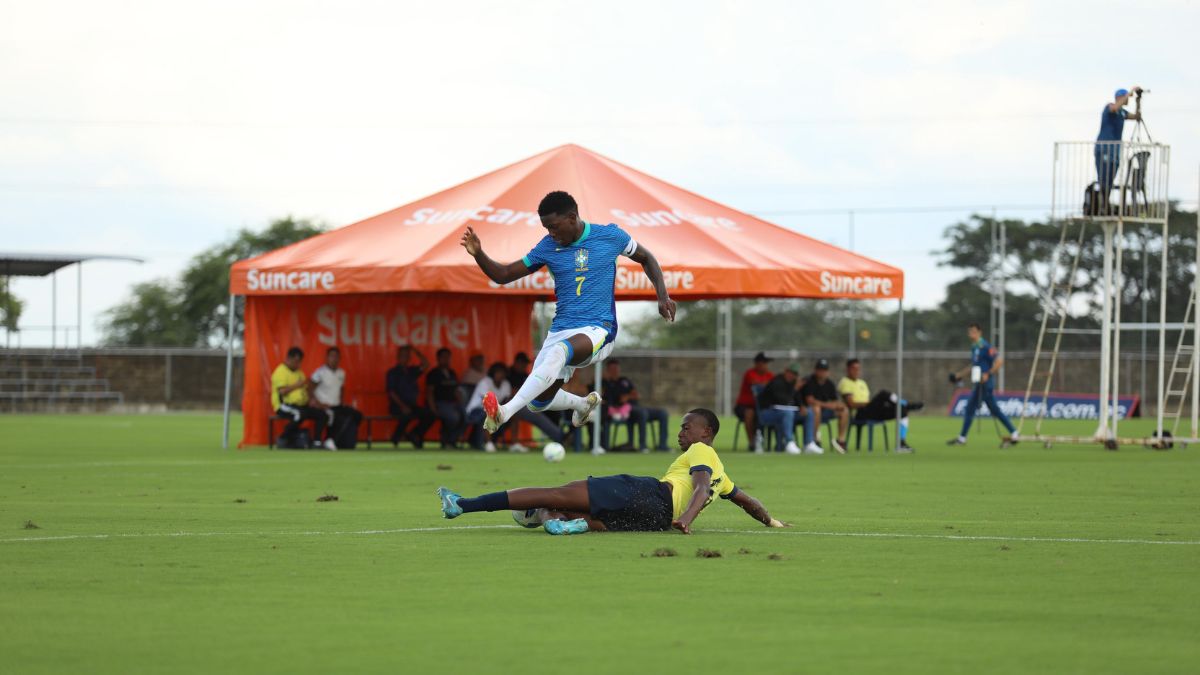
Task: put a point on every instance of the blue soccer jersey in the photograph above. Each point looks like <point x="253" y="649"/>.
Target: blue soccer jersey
<point x="983" y="355"/>
<point x="585" y="273"/>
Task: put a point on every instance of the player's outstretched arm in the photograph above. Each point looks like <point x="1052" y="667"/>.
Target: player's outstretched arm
<point x="755" y="509"/>
<point x="643" y="256"/>
<point x="497" y="272"/>
<point x="700" y="488"/>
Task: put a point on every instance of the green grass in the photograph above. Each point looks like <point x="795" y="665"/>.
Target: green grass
<point x="282" y="583"/>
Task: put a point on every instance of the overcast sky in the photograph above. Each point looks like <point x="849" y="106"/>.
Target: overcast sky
<point x="159" y="128"/>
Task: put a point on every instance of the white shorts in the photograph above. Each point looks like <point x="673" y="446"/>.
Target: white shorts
<point x="600" y="351"/>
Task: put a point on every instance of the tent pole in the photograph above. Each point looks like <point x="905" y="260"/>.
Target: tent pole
<point x="899" y="371"/>
<point x="596" y="422"/>
<point x="54" y="311"/>
<point x="1162" y="324"/>
<point x="852" y="343"/>
<point x="228" y="376"/>
<point x="79" y="307"/>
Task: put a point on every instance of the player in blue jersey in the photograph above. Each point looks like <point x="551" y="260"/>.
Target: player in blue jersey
<point x="986" y="362"/>
<point x="582" y="257"/>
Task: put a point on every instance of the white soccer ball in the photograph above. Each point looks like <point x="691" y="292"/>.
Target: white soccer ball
<point x="554" y="452"/>
<point x="530" y="518"/>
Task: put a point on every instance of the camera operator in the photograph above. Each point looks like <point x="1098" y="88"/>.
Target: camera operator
<point x="1112" y="125"/>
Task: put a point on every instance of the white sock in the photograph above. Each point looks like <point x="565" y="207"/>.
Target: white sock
<point x="565" y="400"/>
<point x="546" y="368"/>
<point x="962" y="439"/>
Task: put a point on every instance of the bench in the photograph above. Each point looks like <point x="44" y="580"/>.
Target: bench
<point x="368" y="419"/>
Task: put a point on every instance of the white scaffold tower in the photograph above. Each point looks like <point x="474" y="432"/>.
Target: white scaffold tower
<point x="1099" y="188"/>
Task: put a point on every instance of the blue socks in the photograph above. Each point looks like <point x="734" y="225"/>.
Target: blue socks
<point x="492" y="501"/>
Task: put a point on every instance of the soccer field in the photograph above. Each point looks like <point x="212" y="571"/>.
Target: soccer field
<point x="151" y="550"/>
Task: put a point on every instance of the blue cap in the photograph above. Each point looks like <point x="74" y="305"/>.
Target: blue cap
<point x="1121" y="92"/>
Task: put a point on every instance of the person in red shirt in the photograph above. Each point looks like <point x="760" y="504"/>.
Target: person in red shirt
<point x="759" y="375"/>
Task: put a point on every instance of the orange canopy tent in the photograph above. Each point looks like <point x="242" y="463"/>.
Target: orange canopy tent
<point x="348" y="286"/>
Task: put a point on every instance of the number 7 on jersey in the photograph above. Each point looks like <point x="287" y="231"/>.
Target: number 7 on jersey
<point x="579" y="284"/>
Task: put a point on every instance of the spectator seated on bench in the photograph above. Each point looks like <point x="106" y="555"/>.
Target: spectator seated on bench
<point x="777" y="408"/>
<point x="289" y="400"/>
<point x="403" y="385"/>
<point x="872" y="410"/>
<point x="623" y="404"/>
<point x="325" y="388"/>
<point x="821" y="400"/>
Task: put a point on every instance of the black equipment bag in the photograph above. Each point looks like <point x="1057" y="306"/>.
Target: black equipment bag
<point x="1092" y="203"/>
<point x="344" y="431"/>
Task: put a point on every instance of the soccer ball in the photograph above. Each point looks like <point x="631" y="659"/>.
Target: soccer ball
<point x="554" y="452"/>
<point x="530" y="518"/>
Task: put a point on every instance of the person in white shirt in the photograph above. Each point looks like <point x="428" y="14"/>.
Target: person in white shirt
<point x="496" y="382"/>
<point x="326" y="384"/>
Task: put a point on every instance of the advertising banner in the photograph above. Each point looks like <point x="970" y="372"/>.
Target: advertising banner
<point x="1058" y="406"/>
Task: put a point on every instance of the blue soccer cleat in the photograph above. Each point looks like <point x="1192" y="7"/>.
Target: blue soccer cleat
<point x="577" y="526"/>
<point x="450" y="507"/>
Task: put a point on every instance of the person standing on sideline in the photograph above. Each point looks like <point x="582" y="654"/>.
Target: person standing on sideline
<point x="289" y="398"/>
<point x="985" y="362"/>
<point x="403" y="384"/>
<point x="757" y="376"/>
<point x="326" y="386"/>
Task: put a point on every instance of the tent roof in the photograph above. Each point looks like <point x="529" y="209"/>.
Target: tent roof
<point x="41" y="264"/>
<point x="706" y="250"/>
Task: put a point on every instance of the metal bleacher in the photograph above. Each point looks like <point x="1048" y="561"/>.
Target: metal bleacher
<point x="49" y="381"/>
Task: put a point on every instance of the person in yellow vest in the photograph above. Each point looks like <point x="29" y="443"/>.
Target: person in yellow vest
<point x="880" y="408"/>
<point x="289" y="399"/>
<point x="624" y="502"/>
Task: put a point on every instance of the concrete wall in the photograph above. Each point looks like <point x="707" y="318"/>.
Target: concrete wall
<point x="177" y="379"/>
<point x="189" y="379"/>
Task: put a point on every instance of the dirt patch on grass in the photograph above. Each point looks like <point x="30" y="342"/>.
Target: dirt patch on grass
<point x="661" y="553"/>
<point x="30" y="525"/>
<point x="744" y="551"/>
<point x="775" y="556"/>
<point x="444" y="467"/>
<point x="327" y="498"/>
<point x="707" y="553"/>
<point x="240" y="500"/>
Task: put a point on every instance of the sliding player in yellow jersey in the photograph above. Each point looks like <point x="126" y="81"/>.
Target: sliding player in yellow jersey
<point x="625" y="503"/>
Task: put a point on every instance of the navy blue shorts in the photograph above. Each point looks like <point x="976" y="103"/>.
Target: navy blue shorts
<point x="627" y="503"/>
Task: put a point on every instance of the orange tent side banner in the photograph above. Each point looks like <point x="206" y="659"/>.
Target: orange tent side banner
<point x="683" y="282"/>
<point x="367" y="328"/>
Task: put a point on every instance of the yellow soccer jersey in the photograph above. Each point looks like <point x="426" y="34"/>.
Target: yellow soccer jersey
<point x="282" y="377"/>
<point x="856" y="389"/>
<point x="698" y="457"/>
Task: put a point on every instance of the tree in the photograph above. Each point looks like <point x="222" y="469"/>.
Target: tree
<point x="10" y="309"/>
<point x="1030" y="260"/>
<point x="151" y="317"/>
<point x="193" y="310"/>
<point x="1028" y="266"/>
<point x="768" y="325"/>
